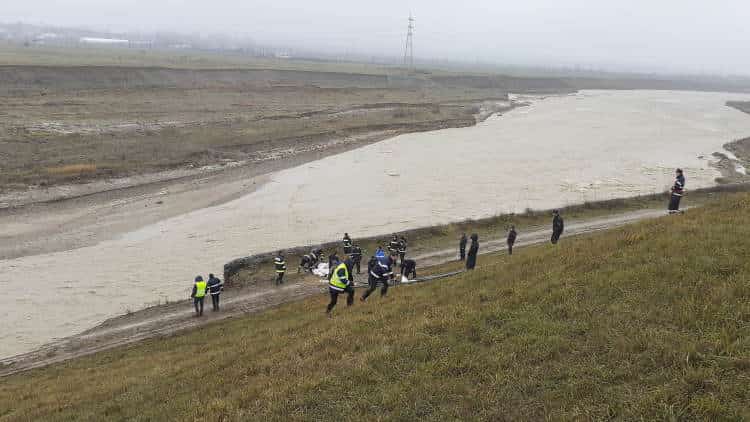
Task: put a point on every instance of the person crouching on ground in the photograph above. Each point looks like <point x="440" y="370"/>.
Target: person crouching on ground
<point x="199" y="293"/>
<point x="341" y="281"/>
<point x="471" y="258"/>
<point x="215" y="287"/>
<point x="511" y="239"/>
<point x="409" y="269"/>
<point x="678" y="189"/>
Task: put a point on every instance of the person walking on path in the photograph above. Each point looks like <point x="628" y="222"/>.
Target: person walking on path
<point x="471" y="258"/>
<point x="677" y="191"/>
<point x="511" y="239"/>
<point x="215" y="287"/>
<point x="198" y="295"/>
<point x="462" y="247"/>
<point x="557" y="226"/>
<point x="280" y="265"/>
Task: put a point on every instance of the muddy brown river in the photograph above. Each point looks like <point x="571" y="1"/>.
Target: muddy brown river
<point x="594" y="145"/>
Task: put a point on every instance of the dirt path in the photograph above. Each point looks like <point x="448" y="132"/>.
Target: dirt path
<point x="172" y="318"/>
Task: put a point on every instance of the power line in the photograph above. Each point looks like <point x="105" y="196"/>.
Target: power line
<point x="409" y="50"/>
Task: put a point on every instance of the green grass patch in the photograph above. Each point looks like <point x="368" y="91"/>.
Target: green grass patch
<point x="647" y="322"/>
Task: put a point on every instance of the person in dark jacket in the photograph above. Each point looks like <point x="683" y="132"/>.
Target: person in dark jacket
<point x="333" y="261"/>
<point x="409" y="269"/>
<point x="371" y="263"/>
<point x="471" y="258"/>
<point x="511" y="239"/>
<point x="215" y="287"/>
<point x="393" y="246"/>
<point x="379" y="273"/>
<point x="347" y="242"/>
<point x="356" y="257"/>
<point x="462" y="247"/>
<point x="198" y="295"/>
<point x="280" y="266"/>
<point x="557" y="226"/>
<point x="677" y="191"/>
<point x="402" y="243"/>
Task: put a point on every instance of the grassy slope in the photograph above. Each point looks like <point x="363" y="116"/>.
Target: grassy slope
<point x="651" y="321"/>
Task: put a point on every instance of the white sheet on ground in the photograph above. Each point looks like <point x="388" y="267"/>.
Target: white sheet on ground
<point x="321" y="270"/>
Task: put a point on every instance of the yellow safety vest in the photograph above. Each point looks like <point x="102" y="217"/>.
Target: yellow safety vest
<point x="200" y="289"/>
<point x="340" y="283"/>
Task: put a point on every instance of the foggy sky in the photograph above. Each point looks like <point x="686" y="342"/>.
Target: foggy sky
<point x="698" y="36"/>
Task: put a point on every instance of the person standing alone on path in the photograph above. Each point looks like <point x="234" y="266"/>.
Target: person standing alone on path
<point x="678" y="189"/>
<point x="215" y="286"/>
<point x="199" y="293"/>
<point x="557" y="226"/>
<point x="471" y="258"/>
<point x="462" y="247"/>
<point x="280" y="265"/>
<point x="511" y="239"/>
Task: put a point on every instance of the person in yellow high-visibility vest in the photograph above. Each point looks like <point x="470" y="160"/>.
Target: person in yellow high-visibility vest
<point x="199" y="293"/>
<point x="341" y="281"/>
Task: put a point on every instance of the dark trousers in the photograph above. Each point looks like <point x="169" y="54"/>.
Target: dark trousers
<point x="510" y="248"/>
<point x="409" y="272"/>
<point x="555" y="237"/>
<point x="401" y="256"/>
<point x="357" y="266"/>
<point x="674" y="202"/>
<point x="215" y="301"/>
<point x="373" y="282"/>
<point x="335" y="297"/>
<point x="279" y="278"/>
<point x="462" y="254"/>
<point x="198" y="303"/>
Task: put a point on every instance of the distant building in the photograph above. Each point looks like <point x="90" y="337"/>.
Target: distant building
<point x="282" y="55"/>
<point x="45" y="37"/>
<point x="103" y="41"/>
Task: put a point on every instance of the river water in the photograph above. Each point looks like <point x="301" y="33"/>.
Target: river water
<point x="594" y="145"/>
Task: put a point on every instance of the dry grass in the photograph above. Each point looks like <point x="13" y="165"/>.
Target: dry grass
<point x="648" y="322"/>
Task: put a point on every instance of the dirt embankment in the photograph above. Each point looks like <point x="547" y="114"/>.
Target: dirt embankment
<point x="64" y="126"/>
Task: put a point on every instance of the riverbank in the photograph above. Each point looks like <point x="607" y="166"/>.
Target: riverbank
<point x="250" y="287"/>
<point x="633" y="323"/>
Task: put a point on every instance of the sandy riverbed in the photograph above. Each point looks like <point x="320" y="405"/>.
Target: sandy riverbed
<point x="591" y="146"/>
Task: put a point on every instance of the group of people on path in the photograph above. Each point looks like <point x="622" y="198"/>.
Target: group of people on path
<point x="380" y="265"/>
<point x="558" y="226"/>
<point x="213" y="287"/>
<point x="379" y="270"/>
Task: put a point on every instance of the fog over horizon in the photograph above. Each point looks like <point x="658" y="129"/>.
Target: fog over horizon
<point x="636" y="35"/>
